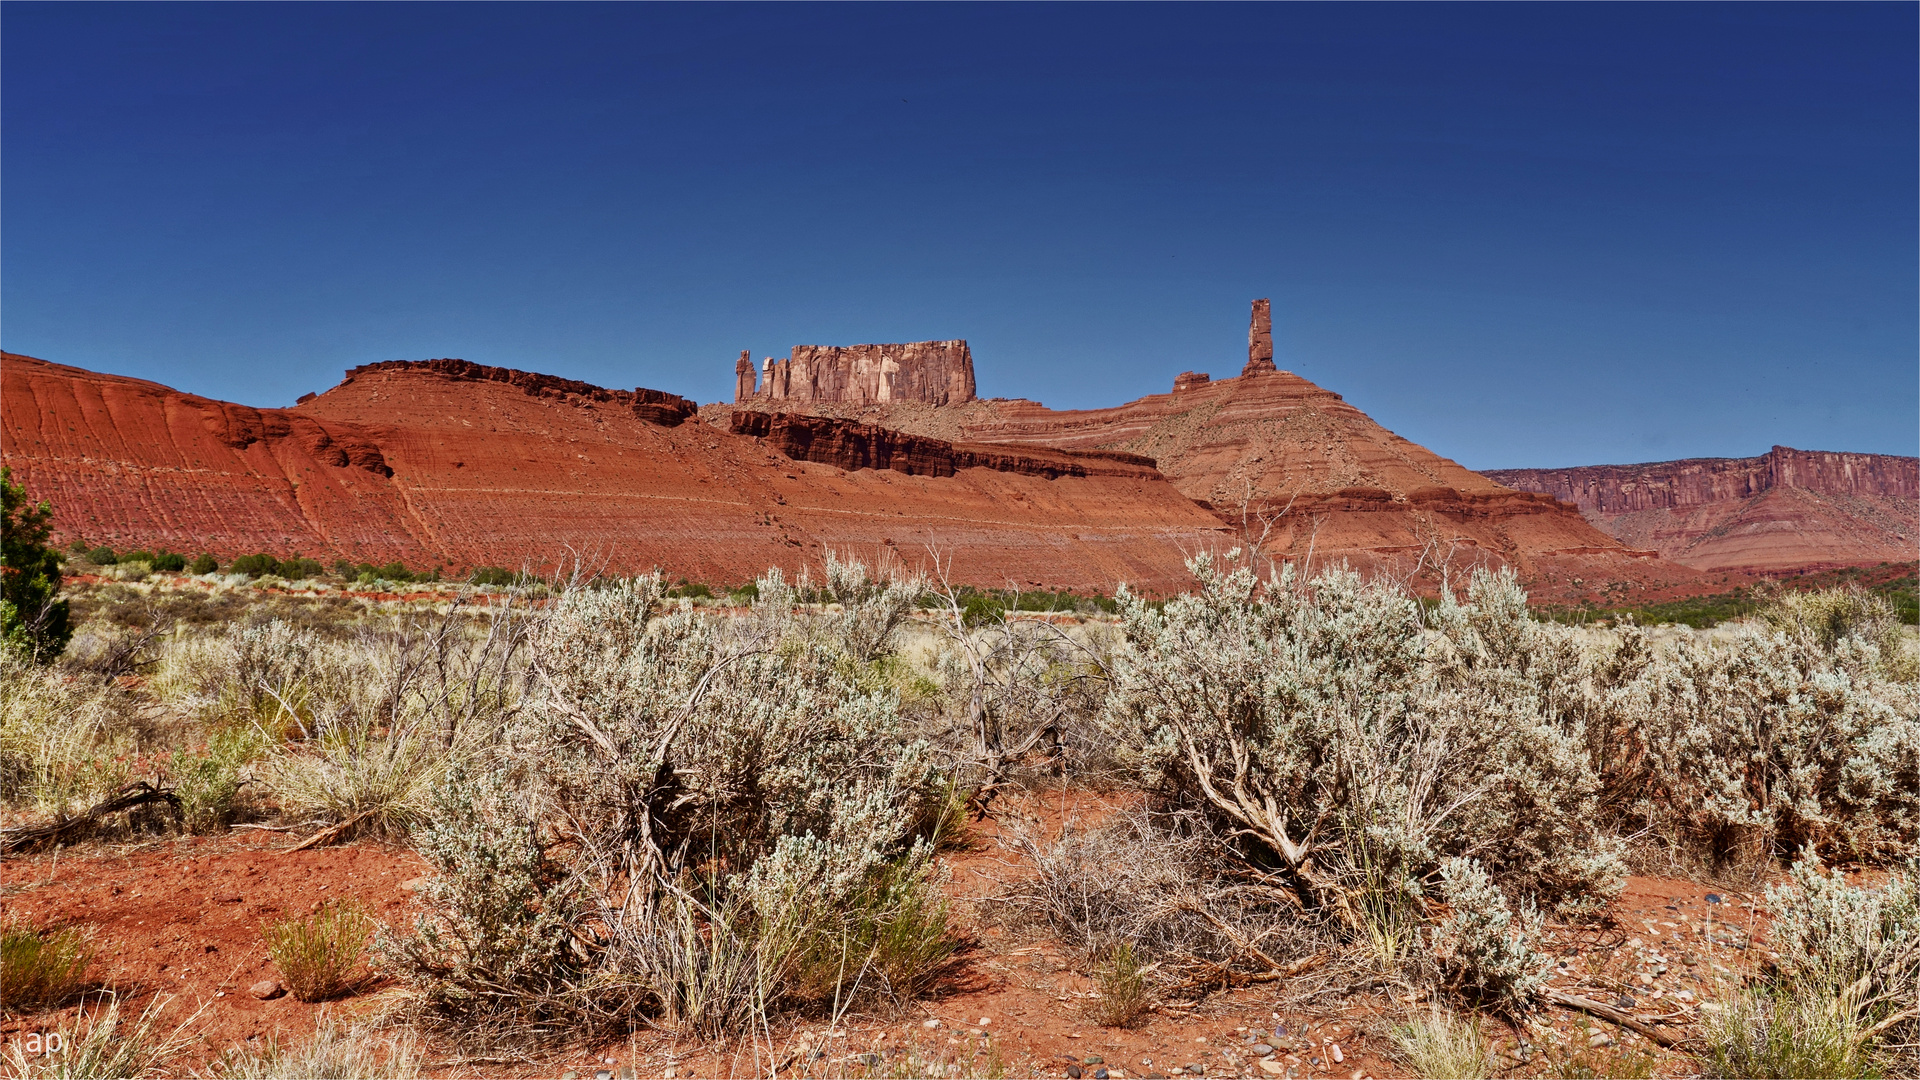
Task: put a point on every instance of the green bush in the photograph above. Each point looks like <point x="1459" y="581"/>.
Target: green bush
<point x="319" y="957"/>
<point x="492" y="575"/>
<point x="254" y="565"/>
<point x="296" y="568"/>
<point x="33" y="618"/>
<point x="203" y="563"/>
<point x="40" y="969"/>
<point x="168" y="562"/>
<point x="102" y="556"/>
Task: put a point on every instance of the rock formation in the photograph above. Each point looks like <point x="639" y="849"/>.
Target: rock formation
<point x="1785" y="509"/>
<point x="932" y="372"/>
<point x="743" y="376"/>
<point x="1272" y="454"/>
<point x="1260" y="340"/>
<point x="848" y="445"/>
<point x="460" y="464"/>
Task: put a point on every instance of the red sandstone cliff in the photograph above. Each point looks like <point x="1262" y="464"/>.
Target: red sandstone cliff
<point x="1350" y="490"/>
<point x="1786" y="509"/>
<point x="460" y="464"/>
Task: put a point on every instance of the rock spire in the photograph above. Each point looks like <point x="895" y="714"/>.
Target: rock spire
<point x="1260" y="340"/>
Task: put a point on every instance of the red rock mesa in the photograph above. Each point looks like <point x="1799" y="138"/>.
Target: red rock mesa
<point x="1270" y="446"/>
<point x="1784" y="510"/>
<point x="455" y="463"/>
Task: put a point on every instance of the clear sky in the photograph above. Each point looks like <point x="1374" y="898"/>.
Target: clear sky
<point x="1519" y="235"/>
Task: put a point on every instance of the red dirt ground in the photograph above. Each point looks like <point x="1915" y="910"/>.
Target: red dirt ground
<point x="182" y="918"/>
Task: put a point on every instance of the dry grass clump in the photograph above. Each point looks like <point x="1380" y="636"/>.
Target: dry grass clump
<point x="1125" y="995"/>
<point x="40" y="968"/>
<point x="1762" y="1035"/>
<point x="102" y="1045"/>
<point x="334" y="1051"/>
<point x="64" y="742"/>
<point x="1444" y="1046"/>
<point x="319" y="956"/>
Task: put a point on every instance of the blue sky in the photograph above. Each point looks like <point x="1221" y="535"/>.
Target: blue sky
<point x="1520" y="235"/>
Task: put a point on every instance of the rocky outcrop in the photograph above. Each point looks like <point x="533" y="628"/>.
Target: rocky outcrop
<point x="846" y="444"/>
<point x="1785" y="509"/>
<point x="1260" y="340"/>
<point x="930" y="372"/>
<point x="1667" y="485"/>
<point x="1296" y="468"/>
<point x="455" y="464"/>
<point x="653" y="406"/>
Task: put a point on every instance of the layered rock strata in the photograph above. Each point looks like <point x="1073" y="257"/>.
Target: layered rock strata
<point x="932" y="372"/>
<point x="459" y="464"/>
<point x="1785" y="509"/>
<point x="1293" y="467"/>
<point x="849" y="445"/>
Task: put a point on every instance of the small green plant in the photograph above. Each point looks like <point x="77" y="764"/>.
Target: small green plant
<point x="1121" y="981"/>
<point x="892" y="937"/>
<point x="168" y="562"/>
<point x="1616" y="1063"/>
<point x="203" y="563"/>
<point x="209" y="783"/>
<point x="319" y="957"/>
<point x="40" y="969"/>
<point x="1443" y="1046"/>
<point x="102" y="556"/>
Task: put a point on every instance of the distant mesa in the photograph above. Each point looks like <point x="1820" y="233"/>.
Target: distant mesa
<point x="929" y="372"/>
<point x="1786" y="509"/>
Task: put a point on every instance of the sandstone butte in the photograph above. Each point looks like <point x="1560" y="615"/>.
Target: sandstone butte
<point x="1785" y="509"/>
<point x="451" y="463"/>
<point x="1270" y="446"/>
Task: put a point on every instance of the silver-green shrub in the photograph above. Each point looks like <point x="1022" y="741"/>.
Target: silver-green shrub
<point x="1762" y="744"/>
<point x="1349" y="750"/>
<point x="1483" y="947"/>
<point x="721" y="794"/>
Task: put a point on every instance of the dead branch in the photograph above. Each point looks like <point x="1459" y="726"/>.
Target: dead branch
<point x="1611" y="1015"/>
<point x="62" y="828"/>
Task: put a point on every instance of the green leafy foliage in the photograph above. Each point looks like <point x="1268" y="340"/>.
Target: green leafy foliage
<point x="33" y="618"/>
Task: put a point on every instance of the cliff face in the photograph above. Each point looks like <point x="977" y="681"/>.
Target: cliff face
<point x="932" y="372"/>
<point x="459" y="464"/>
<point x="848" y="445"/>
<point x="1785" y="509"/>
<point x="1274" y="455"/>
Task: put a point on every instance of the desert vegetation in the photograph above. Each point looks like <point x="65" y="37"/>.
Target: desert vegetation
<point x="645" y="806"/>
